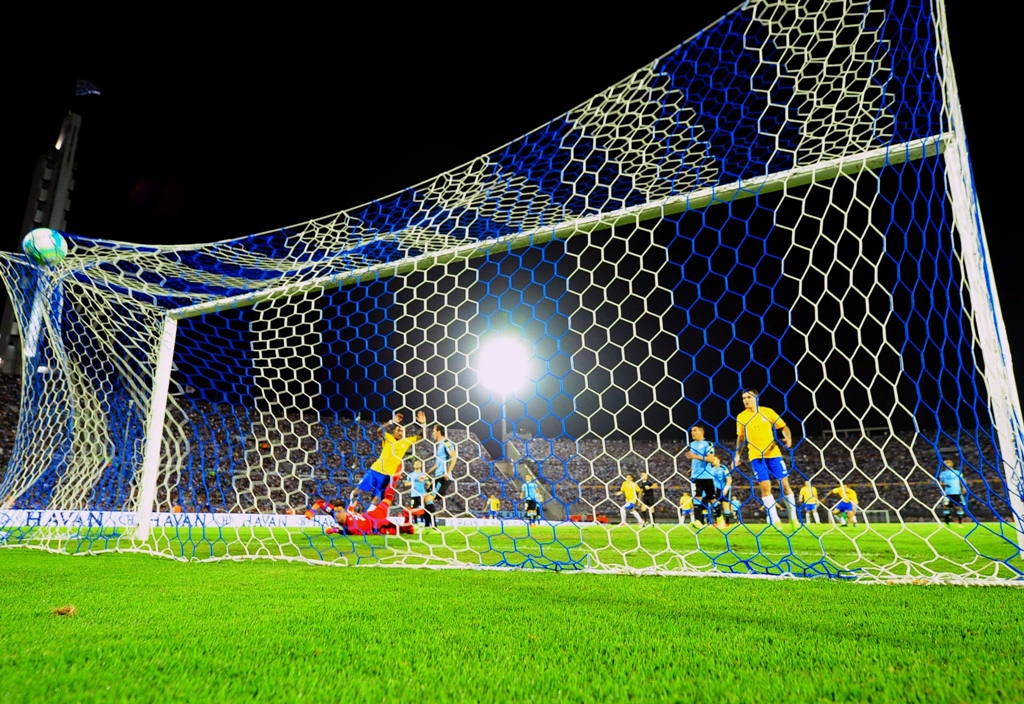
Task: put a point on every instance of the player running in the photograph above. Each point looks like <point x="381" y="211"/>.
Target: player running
<point x="954" y="492"/>
<point x="755" y="428"/>
<point x="388" y="465"/>
<point x="847" y="506"/>
<point x="631" y="492"/>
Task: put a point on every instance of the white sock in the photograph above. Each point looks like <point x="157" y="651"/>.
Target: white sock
<point x="815" y="514"/>
<point x="637" y="515"/>
<point x="769" y="504"/>
<point x="791" y="507"/>
<point x="622" y="511"/>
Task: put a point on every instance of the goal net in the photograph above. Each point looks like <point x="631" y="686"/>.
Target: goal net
<point x="781" y="203"/>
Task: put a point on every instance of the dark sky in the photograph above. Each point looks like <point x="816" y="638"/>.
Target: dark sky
<point x="212" y="129"/>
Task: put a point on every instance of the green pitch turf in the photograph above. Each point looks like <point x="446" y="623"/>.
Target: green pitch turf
<point x="888" y="550"/>
<point x="155" y="630"/>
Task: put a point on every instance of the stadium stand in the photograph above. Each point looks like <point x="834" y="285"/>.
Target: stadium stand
<point x="324" y="455"/>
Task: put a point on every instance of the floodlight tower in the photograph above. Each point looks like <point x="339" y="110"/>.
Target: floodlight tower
<point x="48" y="204"/>
<point x="503" y="369"/>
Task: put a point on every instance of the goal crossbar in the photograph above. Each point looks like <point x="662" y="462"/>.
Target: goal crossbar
<point x="700" y="198"/>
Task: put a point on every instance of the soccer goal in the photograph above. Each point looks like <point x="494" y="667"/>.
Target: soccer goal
<point x="778" y="209"/>
<point x="878" y="516"/>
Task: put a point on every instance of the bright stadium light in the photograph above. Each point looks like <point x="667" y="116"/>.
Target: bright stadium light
<point x="503" y="365"/>
<point x="502" y="369"/>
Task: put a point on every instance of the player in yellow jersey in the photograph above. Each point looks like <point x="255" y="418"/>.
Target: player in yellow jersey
<point x="685" y="508"/>
<point x="755" y="428"/>
<point x="631" y="491"/>
<point x="389" y="464"/>
<point x="847" y="506"/>
<point x="493" y="506"/>
<point x="809" y="502"/>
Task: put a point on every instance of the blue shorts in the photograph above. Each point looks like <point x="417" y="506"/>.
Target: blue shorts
<point x="373" y="482"/>
<point x="687" y="511"/>
<point x="810" y="507"/>
<point x="844" y="506"/>
<point x="630" y="507"/>
<point x="772" y="467"/>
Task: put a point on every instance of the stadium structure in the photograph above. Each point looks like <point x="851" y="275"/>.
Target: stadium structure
<point x="783" y="202"/>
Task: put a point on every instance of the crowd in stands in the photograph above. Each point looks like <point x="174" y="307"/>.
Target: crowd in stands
<point x="229" y="458"/>
<point x="10" y="403"/>
<point x="890" y="472"/>
<point x="302" y="456"/>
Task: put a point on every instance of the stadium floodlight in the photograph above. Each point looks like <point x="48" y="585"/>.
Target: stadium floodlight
<point x="503" y="365"/>
<point x="770" y="204"/>
<point x="503" y="368"/>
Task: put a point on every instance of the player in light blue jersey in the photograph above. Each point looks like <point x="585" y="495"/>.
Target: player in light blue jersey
<point x="417" y="482"/>
<point x="445" y="454"/>
<point x="702" y="473"/>
<point x="723" y="485"/>
<point x="954" y="492"/>
<point x="529" y="494"/>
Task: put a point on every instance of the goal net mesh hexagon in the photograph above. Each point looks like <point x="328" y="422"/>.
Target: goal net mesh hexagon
<point x="783" y="202"/>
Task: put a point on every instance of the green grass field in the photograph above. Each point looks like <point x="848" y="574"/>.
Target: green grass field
<point x="156" y="630"/>
<point x="885" y="551"/>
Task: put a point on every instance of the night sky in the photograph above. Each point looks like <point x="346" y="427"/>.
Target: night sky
<point x="237" y="127"/>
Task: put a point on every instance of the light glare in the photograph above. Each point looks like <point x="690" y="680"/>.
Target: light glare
<point x="503" y="365"/>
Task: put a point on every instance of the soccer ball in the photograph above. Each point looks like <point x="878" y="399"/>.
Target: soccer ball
<point x="45" y="246"/>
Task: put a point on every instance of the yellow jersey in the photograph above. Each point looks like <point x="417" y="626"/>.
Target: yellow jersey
<point x="757" y="428"/>
<point x="686" y="502"/>
<point x="390" y="460"/>
<point x="494" y="504"/>
<point x="809" y="495"/>
<point x="845" y="494"/>
<point x="630" y="489"/>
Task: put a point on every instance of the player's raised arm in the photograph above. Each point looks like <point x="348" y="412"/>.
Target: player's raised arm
<point x="396" y="419"/>
<point x="421" y="418"/>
